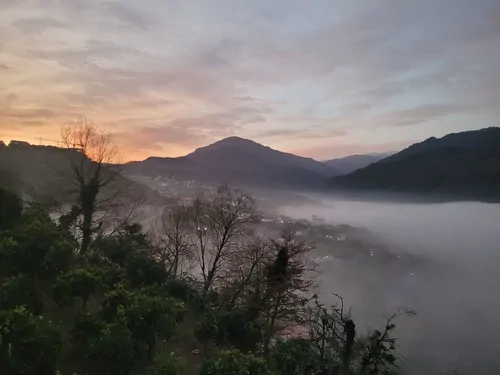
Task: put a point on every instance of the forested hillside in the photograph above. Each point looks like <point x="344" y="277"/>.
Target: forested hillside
<point x="461" y="165"/>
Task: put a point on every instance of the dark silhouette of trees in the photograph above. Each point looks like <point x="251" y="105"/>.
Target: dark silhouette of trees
<point x="10" y="208"/>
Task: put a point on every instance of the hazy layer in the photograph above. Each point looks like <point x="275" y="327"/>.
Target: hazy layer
<point x="455" y="294"/>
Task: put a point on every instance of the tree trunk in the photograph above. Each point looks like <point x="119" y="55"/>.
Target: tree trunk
<point x="176" y="264"/>
<point x="270" y="328"/>
<point x="88" y="199"/>
<point x="86" y="234"/>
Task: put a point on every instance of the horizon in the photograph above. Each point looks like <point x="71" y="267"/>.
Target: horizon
<point x="56" y="144"/>
<point x="324" y="81"/>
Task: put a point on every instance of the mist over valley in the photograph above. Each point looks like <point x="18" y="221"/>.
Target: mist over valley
<point x="451" y="284"/>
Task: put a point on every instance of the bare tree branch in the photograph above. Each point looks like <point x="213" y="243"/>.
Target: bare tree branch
<point x="105" y="200"/>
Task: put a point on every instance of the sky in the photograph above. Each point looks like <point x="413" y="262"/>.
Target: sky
<point x="321" y="78"/>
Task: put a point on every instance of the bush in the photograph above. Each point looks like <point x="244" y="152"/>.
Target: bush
<point x="298" y="357"/>
<point x="86" y="327"/>
<point x="29" y="344"/>
<point x="186" y="291"/>
<point x="130" y="254"/>
<point x="10" y="209"/>
<point x="150" y="316"/>
<point x="233" y="362"/>
<point x="21" y="291"/>
<point x="115" y="299"/>
<point x="166" y="364"/>
<point x="206" y="330"/>
<point x="80" y="283"/>
<point x="107" y="346"/>
<point x="38" y="249"/>
<point x="234" y="329"/>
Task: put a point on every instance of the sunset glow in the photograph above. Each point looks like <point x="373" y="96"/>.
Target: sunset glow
<point x="321" y="79"/>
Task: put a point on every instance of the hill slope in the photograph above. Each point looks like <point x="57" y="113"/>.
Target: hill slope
<point x="463" y="164"/>
<point x="239" y="161"/>
<point x="351" y="163"/>
<point x="40" y="171"/>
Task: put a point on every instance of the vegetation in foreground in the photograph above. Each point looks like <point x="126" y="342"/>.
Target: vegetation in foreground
<point x="126" y="306"/>
<point x="202" y="295"/>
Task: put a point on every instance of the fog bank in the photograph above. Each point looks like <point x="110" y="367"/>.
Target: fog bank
<point x="455" y="294"/>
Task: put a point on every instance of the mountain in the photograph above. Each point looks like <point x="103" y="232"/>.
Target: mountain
<point x="351" y="163"/>
<point x="465" y="165"/>
<point x="237" y="160"/>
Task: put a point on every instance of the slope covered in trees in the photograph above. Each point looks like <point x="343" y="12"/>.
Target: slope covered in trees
<point x="461" y="165"/>
<point x="206" y="295"/>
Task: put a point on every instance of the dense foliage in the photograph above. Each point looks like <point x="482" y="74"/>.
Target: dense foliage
<point x="119" y="308"/>
<point x="10" y="209"/>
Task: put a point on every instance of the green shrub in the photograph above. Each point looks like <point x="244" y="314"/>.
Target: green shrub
<point x="21" y="291"/>
<point x="166" y="364"/>
<point x="233" y="362"/>
<point x="297" y="356"/>
<point x="29" y="344"/>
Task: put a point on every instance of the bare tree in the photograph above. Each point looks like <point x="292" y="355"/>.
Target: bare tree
<point x="219" y="222"/>
<point x="104" y="199"/>
<point x="333" y="332"/>
<point x="245" y="271"/>
<point x="175" y="250"/>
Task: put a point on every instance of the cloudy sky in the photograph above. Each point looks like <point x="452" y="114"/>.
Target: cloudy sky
<point x="318" y="78"/>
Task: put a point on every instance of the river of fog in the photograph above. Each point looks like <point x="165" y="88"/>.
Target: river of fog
<point x="455" y="293"/>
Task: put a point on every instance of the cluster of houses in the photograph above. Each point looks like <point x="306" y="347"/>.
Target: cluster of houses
<point x="167" y="186"/>
<point x="338" y="234"/>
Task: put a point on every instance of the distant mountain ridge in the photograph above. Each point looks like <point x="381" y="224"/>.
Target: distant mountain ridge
<point x="351" y="163"/>
<point x="465" y="164"/>
<point x="240" y="161"/>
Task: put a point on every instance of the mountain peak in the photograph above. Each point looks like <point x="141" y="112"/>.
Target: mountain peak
<point x="234" y="138"/>
<point x="238" y="160"/>
<point x="230" y="142"/>
<point x="235" y="141"/>
<point x="236" y="153"/>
